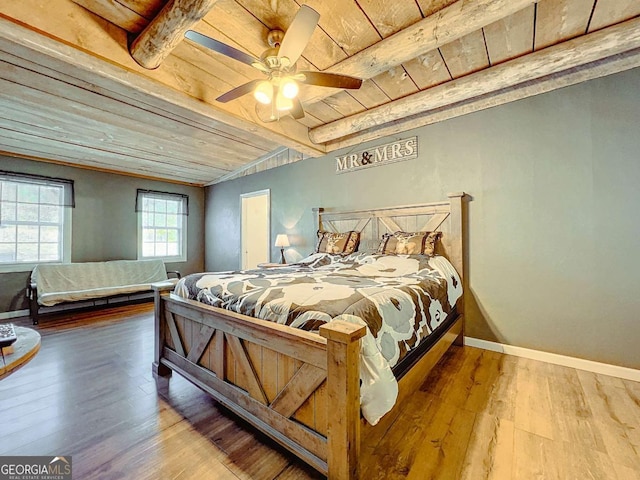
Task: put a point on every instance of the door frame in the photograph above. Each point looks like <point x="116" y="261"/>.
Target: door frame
<point x="243" y="196"/>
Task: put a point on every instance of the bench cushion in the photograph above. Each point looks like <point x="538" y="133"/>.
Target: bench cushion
<point x="71" y="282"/>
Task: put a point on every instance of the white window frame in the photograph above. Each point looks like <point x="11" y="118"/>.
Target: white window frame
<point x="11" y="267"/>
<point x="182" y="218"/>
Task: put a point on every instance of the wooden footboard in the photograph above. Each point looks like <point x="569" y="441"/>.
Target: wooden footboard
<point x="273" y="376"/>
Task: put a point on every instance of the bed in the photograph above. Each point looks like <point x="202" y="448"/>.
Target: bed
<point x="284" y="380"/>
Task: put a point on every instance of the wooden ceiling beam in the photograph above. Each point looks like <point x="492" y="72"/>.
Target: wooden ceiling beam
<point x="451" y="23"/>
<point x="167" y="30"/>
<point x="574" y="53"/>
<point x="609" y="66"/>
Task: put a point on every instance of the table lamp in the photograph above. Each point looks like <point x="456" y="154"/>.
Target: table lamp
<point x="282" y="241"/>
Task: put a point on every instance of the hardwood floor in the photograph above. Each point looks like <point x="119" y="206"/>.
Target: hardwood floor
<point x="89" y="393"/>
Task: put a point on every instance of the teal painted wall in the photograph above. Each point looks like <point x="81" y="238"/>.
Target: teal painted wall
<point x="104" y="223"/>
<point x="554" y="229"/>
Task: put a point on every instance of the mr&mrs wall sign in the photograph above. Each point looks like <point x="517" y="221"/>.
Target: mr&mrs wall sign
<point x="397" y="151"/>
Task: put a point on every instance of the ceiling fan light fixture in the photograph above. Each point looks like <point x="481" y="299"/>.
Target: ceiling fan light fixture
<point x="283" y="103"/>
<point x="278" y="62"/>
<point x="264" y="92"/>
<point x="289" y="88"/>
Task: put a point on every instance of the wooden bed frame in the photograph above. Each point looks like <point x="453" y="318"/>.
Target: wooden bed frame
<point x="290" y="383"/>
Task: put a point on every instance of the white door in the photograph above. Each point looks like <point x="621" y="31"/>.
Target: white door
<point x="255" y="235"/>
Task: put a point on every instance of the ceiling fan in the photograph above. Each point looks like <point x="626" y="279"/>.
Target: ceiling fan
<point x="278" y="63"/>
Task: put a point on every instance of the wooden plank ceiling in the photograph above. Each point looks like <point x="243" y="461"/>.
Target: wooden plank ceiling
<point x="70" y="91"/>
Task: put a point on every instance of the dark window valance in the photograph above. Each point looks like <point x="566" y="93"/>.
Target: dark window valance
<point x="66" y="200"/>
<point x="153" y="194"/>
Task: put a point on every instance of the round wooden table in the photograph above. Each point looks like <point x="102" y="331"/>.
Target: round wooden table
<point x="23" y="350"/>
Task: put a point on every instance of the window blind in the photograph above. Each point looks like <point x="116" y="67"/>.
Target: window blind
<point x="152" y="194"/>
<point x="67" y="199"/>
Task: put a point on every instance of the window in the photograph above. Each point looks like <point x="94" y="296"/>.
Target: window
<point x="35" y="221"/>
<point x="162" y="225"/>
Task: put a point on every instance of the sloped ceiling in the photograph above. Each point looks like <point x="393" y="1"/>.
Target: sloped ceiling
<point x="71" y="92"/>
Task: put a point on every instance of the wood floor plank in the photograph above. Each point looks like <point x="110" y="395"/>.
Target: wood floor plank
<point x="484" y="379"/>
<point x="633" y="389"/>
<point x="501" y="399"/>
<point x="491" y="449"/>
<point x="615" y="418"/>
<point x="626" y="473"/>
<point x="534" y="457"/>
<point x="582" y="463"/>
<point x="458" y="385"/>
<point x="444" y="447"/>
<point x="532" y="403"/>
<point x="89" y="393"/>
<point x="396" y="452"/>
<point x="571" y="414"/>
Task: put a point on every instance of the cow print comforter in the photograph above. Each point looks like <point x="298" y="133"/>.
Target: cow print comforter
<point x="401" y="299"/>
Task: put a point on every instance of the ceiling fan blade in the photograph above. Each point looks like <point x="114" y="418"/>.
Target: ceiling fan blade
<point x="334" y="80"/>
<point x="298" y="34"/>
<point x="297" y="112"/>
<point x="238" y="91"/>
<point x="225" y="49"/>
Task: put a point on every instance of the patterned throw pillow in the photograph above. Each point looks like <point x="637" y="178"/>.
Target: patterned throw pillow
<point x="409" y="243"/>
<point x="340" y="243"/>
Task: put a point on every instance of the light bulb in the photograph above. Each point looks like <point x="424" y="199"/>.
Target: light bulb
<point x="264" y="92"/>
<point x="289" y="88"/>
<point x="283" y="103"/>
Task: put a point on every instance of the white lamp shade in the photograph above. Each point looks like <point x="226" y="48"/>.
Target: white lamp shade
<point x="264" y="92"/>
<point x="282" y="241"/>
<point x="289" y="88"/>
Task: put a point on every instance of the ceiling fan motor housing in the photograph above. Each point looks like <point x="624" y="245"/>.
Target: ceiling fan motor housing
<point x="270" y="55"/>
<point x="274" y="38"/>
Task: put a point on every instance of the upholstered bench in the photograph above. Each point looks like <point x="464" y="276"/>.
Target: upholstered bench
<point x="54" y="288"/>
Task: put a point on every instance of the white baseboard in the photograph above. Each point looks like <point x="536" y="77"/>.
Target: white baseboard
<point x="573" y="362"/>
<point x="14" y="314"/>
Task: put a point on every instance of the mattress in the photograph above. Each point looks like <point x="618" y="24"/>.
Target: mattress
<point x="401" y="299"/>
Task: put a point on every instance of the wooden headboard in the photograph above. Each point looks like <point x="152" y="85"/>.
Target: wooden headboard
<point x="445" y="217"/>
